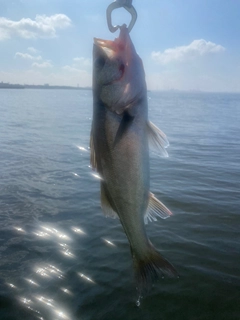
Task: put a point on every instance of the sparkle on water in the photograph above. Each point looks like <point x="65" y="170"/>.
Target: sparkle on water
<point x="78" y="230"/>
<point x="11" y="285"/>
<point x="109" y="242"/>
<point x="19" y="229"/>
<point x="75" y="174"/>
<point x="67" y="291"/>
<point x="82" y="148"/>
<point x="32" y="282"/>
<point x="48" y="271"/>
<point x="96" y="175"/>
<point x="83" y="276"/>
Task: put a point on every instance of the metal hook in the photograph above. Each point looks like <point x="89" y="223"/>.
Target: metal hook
<point x="126" y="4"/>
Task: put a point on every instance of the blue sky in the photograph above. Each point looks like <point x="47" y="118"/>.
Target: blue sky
<point x="184" y="44"/>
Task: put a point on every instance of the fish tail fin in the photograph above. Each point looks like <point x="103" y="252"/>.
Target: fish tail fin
<point x="150" y="267"/>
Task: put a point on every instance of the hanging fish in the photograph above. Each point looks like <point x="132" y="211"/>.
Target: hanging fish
<point x="120" y="137"/>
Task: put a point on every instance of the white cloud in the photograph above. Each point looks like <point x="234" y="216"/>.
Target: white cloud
<point x="27" y="56"/>
<point x="182" y="53"/>
<point x="78" y="73"/>
<point x="40" y="64"/>
<point x="71" y="69"/>
<point x="79" y="65"/>
<point x="3" y="34"/>
<point x="45" y="64"/>
<point x="42" y="27"/>
<point x="32" y="50"/>
<point x="82" y="61"/>
<point x="78" y="59"/>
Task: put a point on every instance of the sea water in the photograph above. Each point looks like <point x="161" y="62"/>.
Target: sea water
<point x="60" y="258"/>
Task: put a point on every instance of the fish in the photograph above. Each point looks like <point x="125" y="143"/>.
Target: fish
<point x="121" y="135"/>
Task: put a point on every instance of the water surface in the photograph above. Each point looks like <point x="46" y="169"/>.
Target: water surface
<point x="62" y="259"/>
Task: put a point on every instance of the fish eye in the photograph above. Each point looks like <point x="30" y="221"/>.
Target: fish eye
<point x="99" y="62"/>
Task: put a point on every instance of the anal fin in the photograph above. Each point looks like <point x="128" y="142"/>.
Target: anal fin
<point x="106" y="205"/>
<point x="156" y="209"/>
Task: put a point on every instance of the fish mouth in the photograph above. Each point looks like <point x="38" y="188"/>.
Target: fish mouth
<point x="110" y="48"/>
<point x="121" y="45"/>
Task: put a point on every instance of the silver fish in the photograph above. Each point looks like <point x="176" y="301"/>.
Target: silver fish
<point x="119" y="142"/>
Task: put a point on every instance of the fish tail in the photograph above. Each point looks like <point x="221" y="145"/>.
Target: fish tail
<point x="150" y="267"/>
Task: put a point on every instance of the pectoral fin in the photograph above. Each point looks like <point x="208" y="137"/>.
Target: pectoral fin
<point x="157" y="139"/>
<point x="106" y="204"/>
<point x="156" y="209"/>
<point x="123" y="127"/>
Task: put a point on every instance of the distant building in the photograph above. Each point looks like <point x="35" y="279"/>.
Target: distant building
<point x="7" y="85"/>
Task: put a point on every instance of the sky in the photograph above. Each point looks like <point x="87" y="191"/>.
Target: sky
<point x="184" y="44"/>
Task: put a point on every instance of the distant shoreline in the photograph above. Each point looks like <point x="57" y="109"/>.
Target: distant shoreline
<point x="27" y="86"/>
<point x="47" y="87"/>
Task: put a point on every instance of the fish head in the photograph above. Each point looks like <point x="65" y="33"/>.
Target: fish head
<point x="118" y="73"/>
